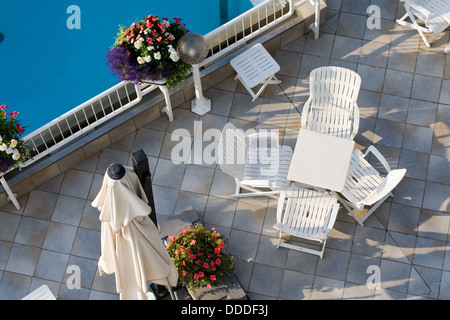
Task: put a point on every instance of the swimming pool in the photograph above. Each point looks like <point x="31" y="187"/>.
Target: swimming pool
<point x="47" y="69"/>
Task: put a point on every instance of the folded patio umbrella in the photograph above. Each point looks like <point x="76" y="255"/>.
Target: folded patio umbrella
<point x="131" y="246"/>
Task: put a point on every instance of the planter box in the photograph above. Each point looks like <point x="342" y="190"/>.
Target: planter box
<point x="231" y="288"/>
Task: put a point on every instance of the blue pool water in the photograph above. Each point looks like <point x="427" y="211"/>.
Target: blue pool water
<point x="47" y="69"/>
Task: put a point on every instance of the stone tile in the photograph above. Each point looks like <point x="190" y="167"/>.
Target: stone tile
<point x="301" y="261"/>
<point x="266" y="280"/>
<point x="245" y="252"/>
<point x="438" y="170"/>
<point x="393" y="107"/>
<point x="353" y="291"/>
<point x="346" y="49"/>
<point x="422" y="113"/>
<point x="76" y="183"/>
<point x="309" y="63"/>
<point x="9" y="223"/>
<point x="351" y="25"/>
<point x="219" y="211"/>
<point x="430" y="63"/>
<point x="22" y="259"/>
<point x="59" y="237"/>
<point x="269" y="254"/>
<point x="40" y="204"/>
<point x="445" y="92"/>
<point x="368" y="241"/>
<point x="433" y="224"/>
<point x="398" y="83"/>
<point x="197" y="179"/>
<point x="417" y="138"/>
<point x="410" y="192"/>
<point x="403" y="218"/>
<point x="31" y="231"/>
<point x="249" y="217"/>
<point x="90" y="217"/>
<point x="359" y="7"/>
<point x="177" y="148"/>
<point x="425" y="282"/>
<point x="186" y="199"/>
<point x="68" y="210"/>
<point x="223" y="185"/>
<point x="51" y="265"/>
<point x="394" y="275"/>
<point x="14" y="286"/>
<point x="150" y="141"/>
<point x="87" y="267"/>
<point x="372" y="78"/>
<point x="220" y="101"/>
<point x="415" y="163"/>
<point x="326" y="288"/>
<point x="84" y="237"/>
<point x="374" y="54"/>
<point x="403" y="54"/>
<point x="334" y="264"/>
<point x="358" y="268"/>
<point x="288" y="61"/>
<point x="389" y="133"/>
<point x="165" y="200"/>
<point x="296" y="285"/>
<point x="429" y="253"/>
<point x="426" y="88"/>
<point x="444" y="291"/>
<point x="368" y="103"/>
<point x="169" y="174"/>
<point x="399" y="247"/>
<point x="243" y="107"/>
<point x="5" y="249"/>
<point x="436" y="197"/>
<point x="383" y="35"/>
<point x="321" y="47"/>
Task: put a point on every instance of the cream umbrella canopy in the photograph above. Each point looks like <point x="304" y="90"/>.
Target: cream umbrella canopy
<point x="130" y="243"/>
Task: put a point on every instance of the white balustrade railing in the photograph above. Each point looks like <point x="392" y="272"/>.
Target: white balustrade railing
<point x="252" y="23"/>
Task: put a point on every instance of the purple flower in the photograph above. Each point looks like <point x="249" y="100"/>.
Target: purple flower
<point x="125" y="65"/>
<point x="5" y="164"/>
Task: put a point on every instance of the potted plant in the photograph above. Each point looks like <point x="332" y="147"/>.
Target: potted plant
<point x="199" y="257"/>
<point x="13" y="151"/>
<point x="147" y="50"/>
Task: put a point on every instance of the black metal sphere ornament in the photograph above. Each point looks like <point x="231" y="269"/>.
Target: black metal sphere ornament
<point x="192" y="48"/>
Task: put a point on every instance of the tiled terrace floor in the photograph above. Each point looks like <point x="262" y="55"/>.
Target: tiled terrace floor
<point x="405" y="112"/>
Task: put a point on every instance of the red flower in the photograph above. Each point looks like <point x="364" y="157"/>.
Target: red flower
<point x="221" y="245"/>
<point x="218" y="261"/>
<point x="196" y="276"/>
<point x="205" y="265"/>
<point x="201" y="274"/>
<point x="213" y="278"/>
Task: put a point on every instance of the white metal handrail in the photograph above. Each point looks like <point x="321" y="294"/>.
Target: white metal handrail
<point x="252" y="23"/>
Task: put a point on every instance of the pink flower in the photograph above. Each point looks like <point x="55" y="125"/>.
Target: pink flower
<point x="208" y="285"/>
<point x="196" y="276"/>
<point x="192" y="256"/>
<point x="184" y="272"/>
<point x="161" y="26"/>
<point x="212" y="278"/>
<point x="217" y="250"/>
<point x="201" y="274"/>
<point x="159" y="39"/>
<point x="192" y="243"/>
<point x="150" y="40"/>
<point x="218" y="261"/>
<point x="183" y="231"/>
<point x="205" y="265"/>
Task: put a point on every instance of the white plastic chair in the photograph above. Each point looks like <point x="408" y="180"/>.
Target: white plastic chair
<point x="435" y="15"/>
<point x="308" y="214"/>
<point x="255" y="66"/>
<point x="256" y="166"/>
<point x="332" y="105"/>
<point x="41" y="293"/>
<point x="365" y="188"/>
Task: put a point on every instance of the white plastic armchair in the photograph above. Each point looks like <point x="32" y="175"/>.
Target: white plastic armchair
<point x="308" y="214"/>
<point x="332" y="105"/>
<point x="435" y="15"/>
<point x="365" y="188"/>
<point x="256" y="161"/>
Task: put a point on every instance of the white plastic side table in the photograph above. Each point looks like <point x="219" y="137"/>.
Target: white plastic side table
<point x="162" y="86"/>
<point x="255" y="66"/>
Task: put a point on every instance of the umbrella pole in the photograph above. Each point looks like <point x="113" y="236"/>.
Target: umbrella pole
<point x="173" y="294"/>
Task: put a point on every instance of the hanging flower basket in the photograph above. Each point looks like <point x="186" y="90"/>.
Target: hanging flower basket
<point x="147" y="51"/>
<point x="199" y="257"/>
<point x="13" y="151"/>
